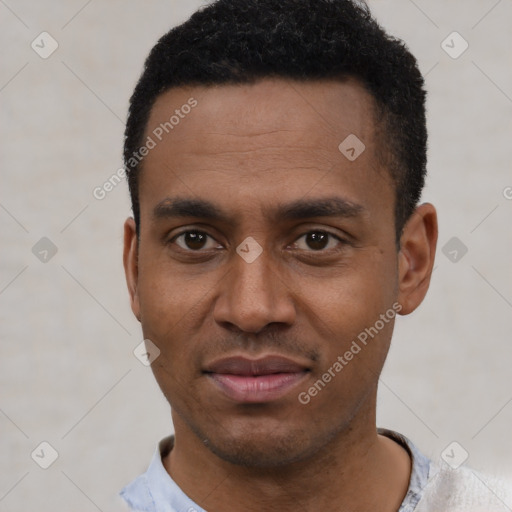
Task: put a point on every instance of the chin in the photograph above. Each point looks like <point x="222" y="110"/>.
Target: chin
<point x="264" y="447"/>
<point x="250" y="454"/>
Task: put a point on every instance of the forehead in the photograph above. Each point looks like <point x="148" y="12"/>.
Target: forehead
<point x="273" y="137"/>
<point x="318" y="109"/>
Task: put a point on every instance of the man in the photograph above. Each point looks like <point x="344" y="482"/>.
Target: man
<point x="276" y="153"/>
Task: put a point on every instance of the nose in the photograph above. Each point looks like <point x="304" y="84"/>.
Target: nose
<point x="254" y="295"/>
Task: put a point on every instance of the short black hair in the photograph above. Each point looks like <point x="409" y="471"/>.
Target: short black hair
<point x="242" y="41"/>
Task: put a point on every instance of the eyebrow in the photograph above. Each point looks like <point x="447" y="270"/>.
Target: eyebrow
<point x="184" y="207"/>
<point x="325" y="207"/>
<point x="301" y="209"/>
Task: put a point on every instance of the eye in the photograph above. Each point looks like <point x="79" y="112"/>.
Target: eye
<point x="317" y="241"/>
<point x="195" y="241"/>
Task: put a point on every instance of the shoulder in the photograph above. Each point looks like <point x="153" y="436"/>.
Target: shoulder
<point x="146" y="491"/>
<point x="464" y="490"/>
<point x="138" y="495"/>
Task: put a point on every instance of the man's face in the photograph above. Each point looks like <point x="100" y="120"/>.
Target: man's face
<point x="242" y="340"/>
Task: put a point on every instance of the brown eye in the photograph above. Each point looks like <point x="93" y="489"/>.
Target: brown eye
<point x="195" y="241"/>
<point x="317" y="241"/>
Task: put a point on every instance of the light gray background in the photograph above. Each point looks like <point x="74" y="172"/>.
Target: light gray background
<point x="67" y="372"/>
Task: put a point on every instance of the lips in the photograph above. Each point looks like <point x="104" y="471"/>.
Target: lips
<point x="261" y="380"/>
<point x="254" y="367"/>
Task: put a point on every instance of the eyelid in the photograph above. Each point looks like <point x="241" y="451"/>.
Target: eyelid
<point x="173" y="238"/>
<point x="186" y="228"/>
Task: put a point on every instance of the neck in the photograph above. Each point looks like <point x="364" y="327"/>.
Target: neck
<point x="356" y="470"/>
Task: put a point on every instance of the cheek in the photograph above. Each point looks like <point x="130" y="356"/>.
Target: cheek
<point x="172" y="310"/>
<point x="353" y="298"/>
<point x="356" y="342"/>
<point x="171" y="301"/>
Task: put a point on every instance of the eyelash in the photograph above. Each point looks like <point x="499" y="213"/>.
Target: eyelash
<point x="323" y="231"/>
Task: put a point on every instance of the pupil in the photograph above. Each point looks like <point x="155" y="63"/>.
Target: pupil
<point x="317" y="240"/>
<point x="195" y="240"/>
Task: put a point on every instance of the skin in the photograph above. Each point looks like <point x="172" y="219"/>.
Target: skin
<point x="249" y="149"/>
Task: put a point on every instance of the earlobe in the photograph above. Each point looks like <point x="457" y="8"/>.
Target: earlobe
<point x="416" y="257"/>
<point x="131" y="265"/>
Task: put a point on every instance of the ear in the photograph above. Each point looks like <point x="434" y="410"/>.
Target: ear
<point x="416" y="257"/>
<point x="130" y="261"/>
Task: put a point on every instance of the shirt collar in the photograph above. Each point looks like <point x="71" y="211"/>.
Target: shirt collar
<point x="419" y="471"/>
<point x="156" y="491"/>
